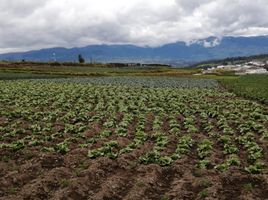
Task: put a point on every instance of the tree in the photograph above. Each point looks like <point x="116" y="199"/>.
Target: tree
<point x="81" y="59"/>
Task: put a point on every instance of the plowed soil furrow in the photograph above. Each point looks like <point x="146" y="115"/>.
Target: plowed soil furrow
<point x="185" y="185"/>
<point x="115" y="187"/>
<point x="43" y="186"/>
<point x="131" y="160"/>
<point x="151" y="182"/>
<point x="21" y="176"/>
<point x="237" y="186"/>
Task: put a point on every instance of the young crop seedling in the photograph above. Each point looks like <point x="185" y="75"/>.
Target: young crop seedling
<point x="106" y="151"/>
<point x="204" y="148"/>
<point x="256" y="168"/>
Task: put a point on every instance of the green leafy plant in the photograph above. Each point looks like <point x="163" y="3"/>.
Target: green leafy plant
<point x="256" y="168"/>
<point x="62" y="147"/>
<point x="204" y="148"/>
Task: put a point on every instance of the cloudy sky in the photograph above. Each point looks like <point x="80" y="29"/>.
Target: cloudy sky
<point x="34" y="24"/>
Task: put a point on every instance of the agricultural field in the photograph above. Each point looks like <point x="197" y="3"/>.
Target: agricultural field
<point x="130" y="138"/>
<point x="21" y="76"/>
<point x="250" y="86"/>
<point x="91" y="70"/>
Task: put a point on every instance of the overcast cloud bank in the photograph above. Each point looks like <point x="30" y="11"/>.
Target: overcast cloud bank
<point x="32" y="24"/>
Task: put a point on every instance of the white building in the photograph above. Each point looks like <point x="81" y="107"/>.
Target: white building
<point x="253" y="67"/>
<point x="253" y="71"/>
<point x="257" y="63"/>
<point x="256" y="71"/>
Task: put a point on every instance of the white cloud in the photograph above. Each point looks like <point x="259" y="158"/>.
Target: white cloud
<point x="31" y="24"/>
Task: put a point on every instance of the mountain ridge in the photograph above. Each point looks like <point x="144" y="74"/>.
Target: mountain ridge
<point x="179" y="52"/>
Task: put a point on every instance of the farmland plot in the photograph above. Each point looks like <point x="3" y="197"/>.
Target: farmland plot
<point x="113" y="139"/>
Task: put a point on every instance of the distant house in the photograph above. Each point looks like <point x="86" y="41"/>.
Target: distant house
<point x="133" y="64"/>
<point x="228" y="67"/>
<point x="221" y="66"/>
<point x="253" y="71"/>
<point x="256" y="71"/>
<point x="257" y="63"/>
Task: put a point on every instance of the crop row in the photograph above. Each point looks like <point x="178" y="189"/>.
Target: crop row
<point x="155" y="82"/>
<point x="203" y="123"/>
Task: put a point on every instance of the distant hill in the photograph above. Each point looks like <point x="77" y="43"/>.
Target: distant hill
<point x="231" y="60"/>
<point x="175" y="53"/>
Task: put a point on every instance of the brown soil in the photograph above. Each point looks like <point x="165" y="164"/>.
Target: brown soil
<point x="74" y="176"/>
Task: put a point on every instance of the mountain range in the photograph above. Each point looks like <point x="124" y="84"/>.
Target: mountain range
<point x="178" y="53"/>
